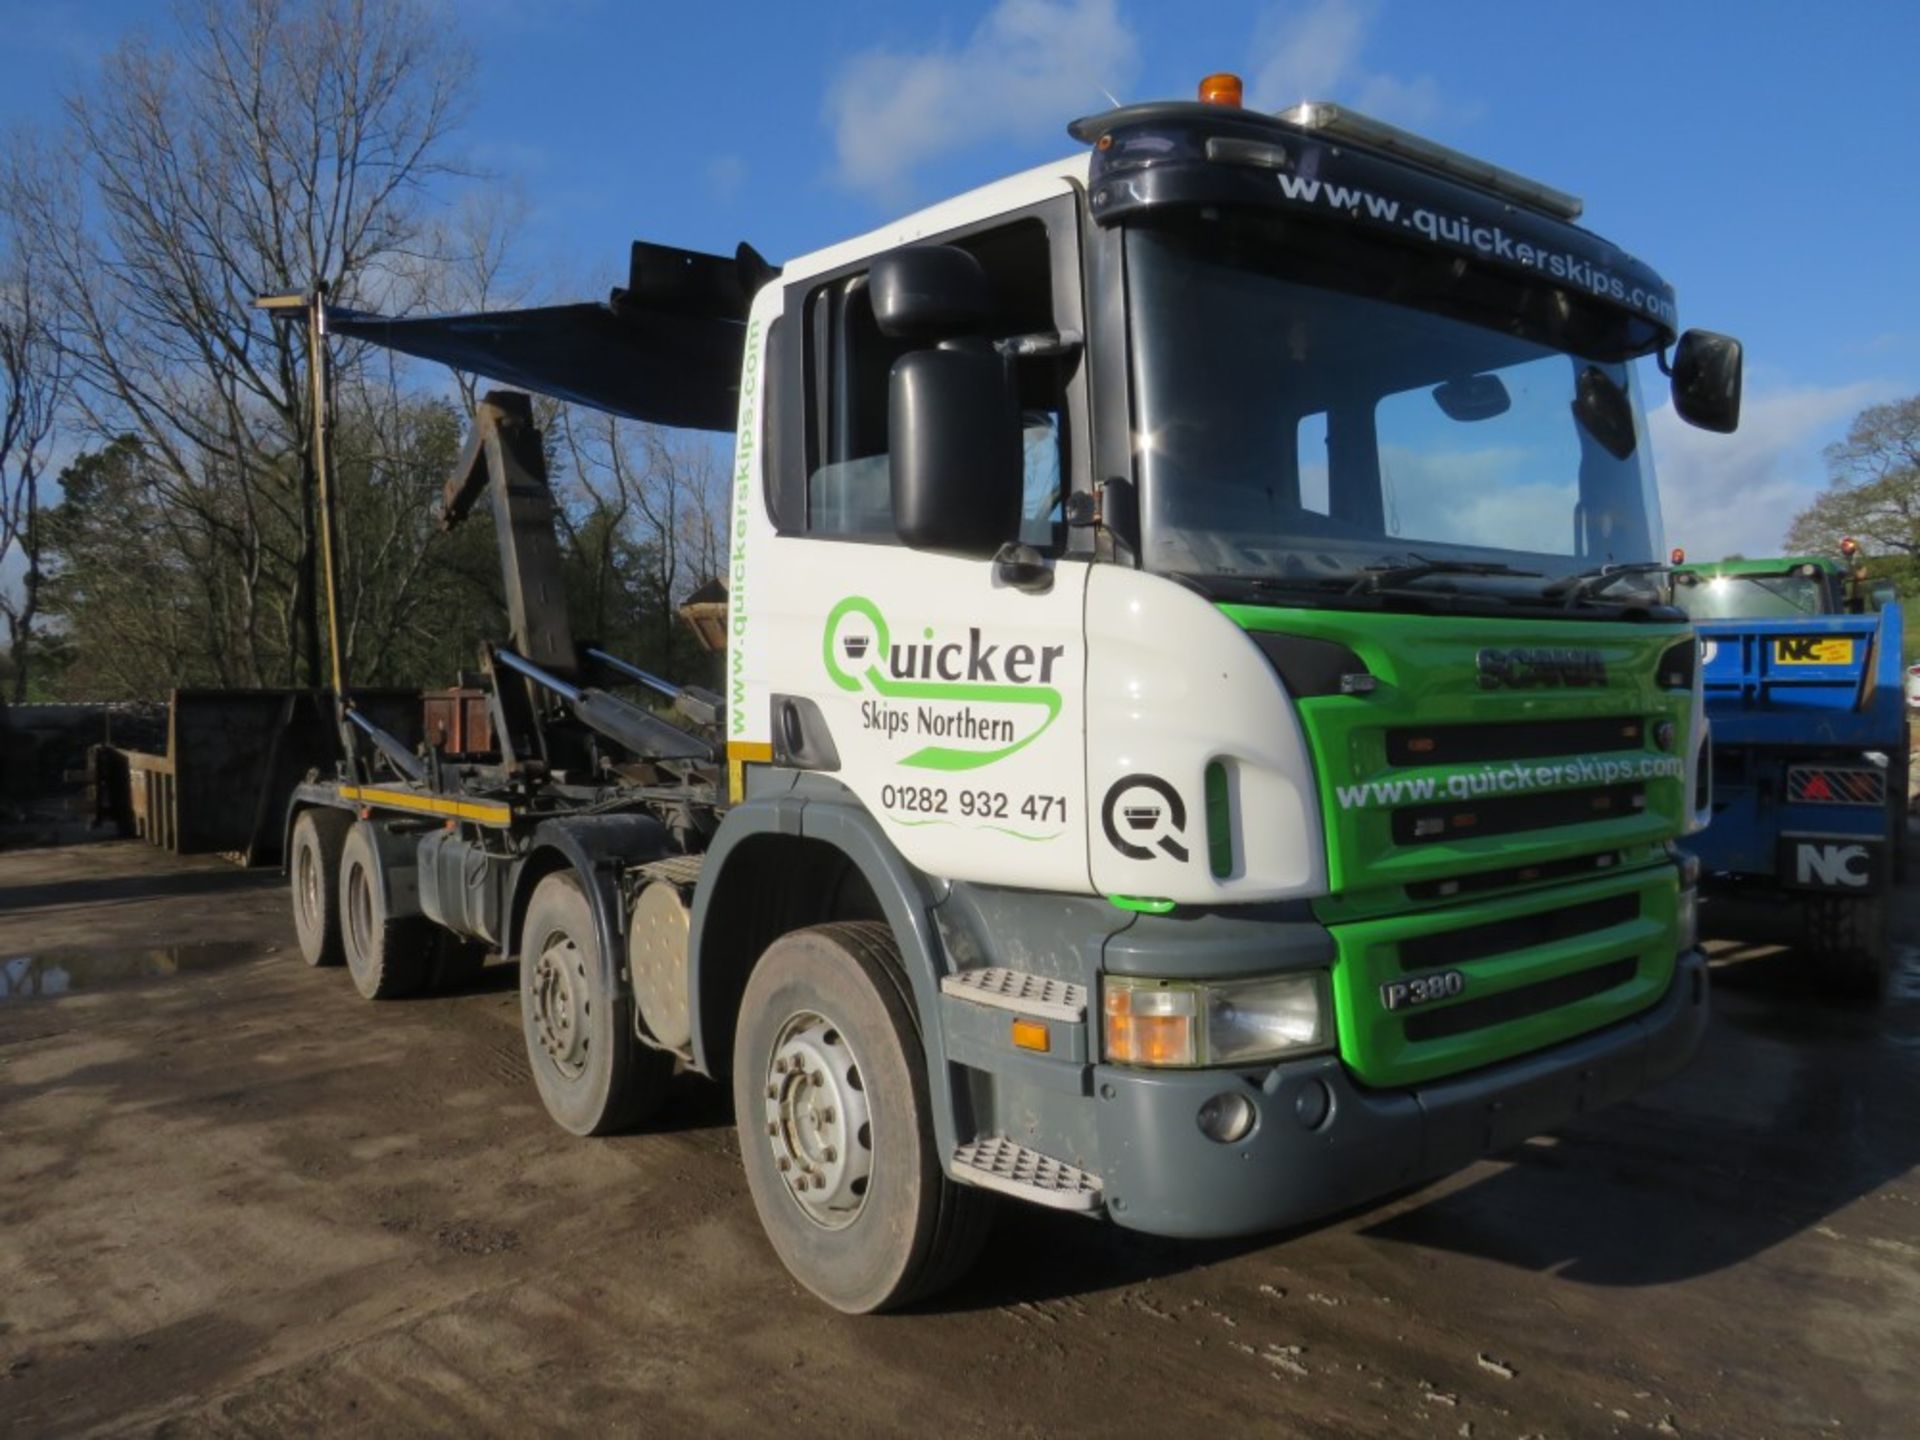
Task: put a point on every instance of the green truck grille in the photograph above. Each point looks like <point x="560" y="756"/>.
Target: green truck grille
<point x="1476" y="819"/>
<point x="1512" y="740"/>
<point x="1538" y="969"/>
<point x="1512" y="833"/>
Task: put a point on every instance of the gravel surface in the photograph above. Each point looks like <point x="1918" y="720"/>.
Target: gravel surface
<point x="236" y="1199"/>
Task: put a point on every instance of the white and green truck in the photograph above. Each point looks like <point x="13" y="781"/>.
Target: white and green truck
<point x="1203" y="739"/>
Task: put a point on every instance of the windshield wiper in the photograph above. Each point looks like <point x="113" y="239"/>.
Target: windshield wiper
<point x="1586" y="584"/>
<point x="1376" y="578"/>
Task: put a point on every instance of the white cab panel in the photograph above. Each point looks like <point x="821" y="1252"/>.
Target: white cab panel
<point x="1173" y="685"/>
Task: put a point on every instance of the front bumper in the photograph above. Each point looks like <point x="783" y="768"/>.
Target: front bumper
<point x="1160" y="1174"/>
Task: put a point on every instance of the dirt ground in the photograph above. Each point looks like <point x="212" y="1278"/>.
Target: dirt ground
<point x="236" y="1199"/>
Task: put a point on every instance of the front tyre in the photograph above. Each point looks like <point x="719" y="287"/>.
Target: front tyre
<point x="594" y="1076"/>
<point x="836" y="1133"/>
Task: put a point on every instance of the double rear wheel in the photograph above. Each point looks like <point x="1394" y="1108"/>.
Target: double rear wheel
<point x="593" y="1073"/>
<point x="313" y="870"/>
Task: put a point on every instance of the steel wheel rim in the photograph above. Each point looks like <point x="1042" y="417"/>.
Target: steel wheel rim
<point x="308" y="887"/>
<point x="560" y="1005"/>
<point x="359" y="916"/>
<point x="818" y="1120"/>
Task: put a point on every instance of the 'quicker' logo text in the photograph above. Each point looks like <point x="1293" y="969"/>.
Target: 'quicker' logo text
<point x="969" y="700"/>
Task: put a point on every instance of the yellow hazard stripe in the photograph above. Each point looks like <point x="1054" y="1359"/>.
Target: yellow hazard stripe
<point x="481" y="812"/>
<point x="741" y="753"/>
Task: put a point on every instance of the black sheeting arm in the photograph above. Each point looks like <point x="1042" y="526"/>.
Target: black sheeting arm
<point x="666" y="349"/>
<point x="677" y="370"/>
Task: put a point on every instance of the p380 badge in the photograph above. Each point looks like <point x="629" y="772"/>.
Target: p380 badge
<point x="1423" y="989"/>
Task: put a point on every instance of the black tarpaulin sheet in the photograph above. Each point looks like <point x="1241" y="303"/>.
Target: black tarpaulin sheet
<point x="668" y="369"/>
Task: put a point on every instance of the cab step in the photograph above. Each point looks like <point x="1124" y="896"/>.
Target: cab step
<point x="997" y="1163"/>
<point x="1021" y="991"/>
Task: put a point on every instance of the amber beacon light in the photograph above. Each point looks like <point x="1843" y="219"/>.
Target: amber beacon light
<point x="1221" y="89"/>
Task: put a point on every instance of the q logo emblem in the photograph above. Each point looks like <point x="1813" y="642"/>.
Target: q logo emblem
<point x="1143" y="813"/>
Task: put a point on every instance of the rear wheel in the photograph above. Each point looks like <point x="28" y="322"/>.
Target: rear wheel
<point x="836" y="1132"/>
<point x="1848" y="937"/>
<point x="313" y="871"/>
<point x="593" y="1074"/>
<point x="388" y="956"/>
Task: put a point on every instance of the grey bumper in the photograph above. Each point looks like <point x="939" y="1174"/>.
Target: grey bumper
<point x="1162" y="1175"/>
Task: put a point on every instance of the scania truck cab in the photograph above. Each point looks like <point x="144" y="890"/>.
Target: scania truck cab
<point x="1801" y="667"/>
<point x="1204" y="741"/>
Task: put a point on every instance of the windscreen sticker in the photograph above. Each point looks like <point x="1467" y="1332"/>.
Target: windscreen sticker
<point x="960" y="701"/>
<point x="1465" y="232"/>
<point x="1509" y="779"/>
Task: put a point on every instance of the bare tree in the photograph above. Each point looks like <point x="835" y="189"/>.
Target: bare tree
<point x="647" y="525"/>
<point x="282" y="144"/>
<point x="33" y="383"/>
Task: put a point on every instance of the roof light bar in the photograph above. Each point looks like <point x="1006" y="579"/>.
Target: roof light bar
<point x="1340" y="123"/>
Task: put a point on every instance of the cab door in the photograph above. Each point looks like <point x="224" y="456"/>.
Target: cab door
<point x="948" y="700"/>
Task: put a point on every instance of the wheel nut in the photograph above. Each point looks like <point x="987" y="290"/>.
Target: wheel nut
<point x="830" y="1154"/>
<point x="826" y="1116"/>
<point x="773" y="1092"/>
<point x="783" y="1164"/>
<point x="780" y="1065"/>
<point x="772" y="1128"/>
<point x="819" y="1079"/>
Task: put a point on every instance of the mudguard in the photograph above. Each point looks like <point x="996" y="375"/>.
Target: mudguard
<point x="822" y="810"/>
<point x="598" y="847"/>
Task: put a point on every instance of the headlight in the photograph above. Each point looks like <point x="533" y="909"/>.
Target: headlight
<point x="1215" y="1022"/>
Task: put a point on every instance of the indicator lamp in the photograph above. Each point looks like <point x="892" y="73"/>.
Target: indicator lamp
<point x="1222" y="89"/>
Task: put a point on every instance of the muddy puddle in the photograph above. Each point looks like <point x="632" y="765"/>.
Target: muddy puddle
<point x="45" y="974"/>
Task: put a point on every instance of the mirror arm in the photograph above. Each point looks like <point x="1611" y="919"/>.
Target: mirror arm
<point x="1040" y="345"/>
<point x="1660" y="359"/>
<point x="1021" y="567"/>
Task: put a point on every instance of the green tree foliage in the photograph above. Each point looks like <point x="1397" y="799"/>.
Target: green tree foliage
<point x="142" y="598"/>
<point x="1872" y="494"/>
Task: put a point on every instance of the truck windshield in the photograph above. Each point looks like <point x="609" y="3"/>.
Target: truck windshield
<point x="1419" y="425"/>
<point x="1749" y="597"/>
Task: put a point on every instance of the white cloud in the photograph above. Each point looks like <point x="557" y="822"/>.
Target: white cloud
<point x="1738" y="493"/>
<point x="1314" y="52"/>
<point x="1029" y="66"/>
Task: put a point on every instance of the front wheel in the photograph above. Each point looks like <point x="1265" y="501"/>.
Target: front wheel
<point x="836" y="1133"/>
<point x="594" y="1076"/>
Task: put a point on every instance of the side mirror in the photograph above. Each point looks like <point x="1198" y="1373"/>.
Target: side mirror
<point x="930" y="292"/>
<point x="1706" y="380"/>
<point x="958" y="470"/>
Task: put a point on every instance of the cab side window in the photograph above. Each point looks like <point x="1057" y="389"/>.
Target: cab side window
<point x="848" y="364"/>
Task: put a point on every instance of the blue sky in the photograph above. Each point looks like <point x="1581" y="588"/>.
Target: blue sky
<point x="1763" y="157"/>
